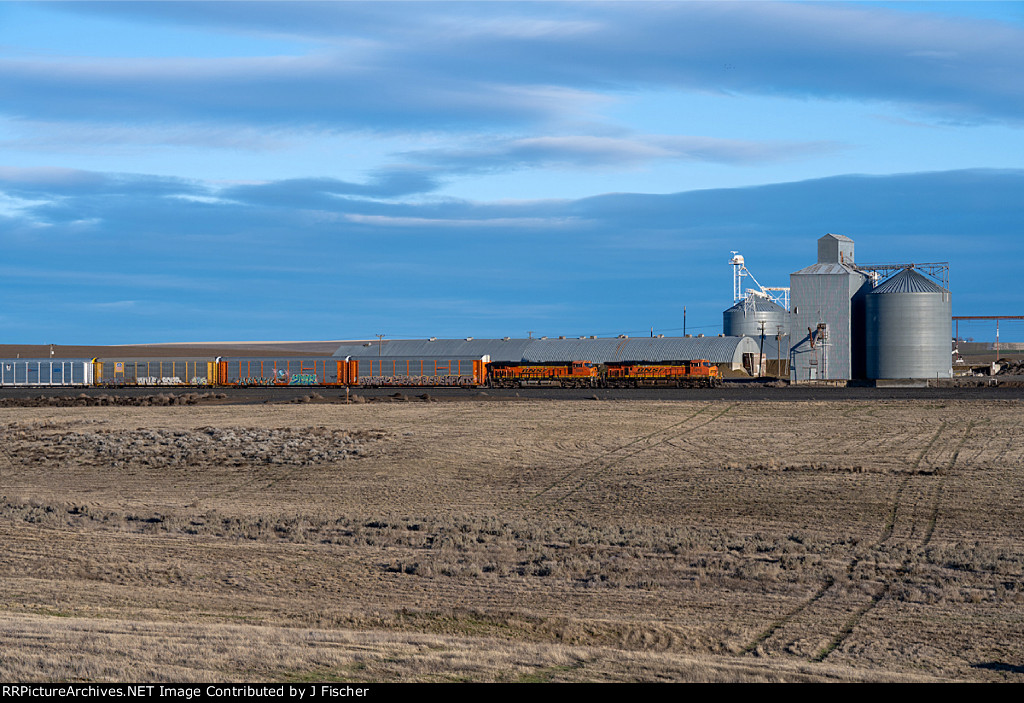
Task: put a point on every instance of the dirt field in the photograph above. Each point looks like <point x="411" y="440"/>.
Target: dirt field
<point x="514" y="541"/>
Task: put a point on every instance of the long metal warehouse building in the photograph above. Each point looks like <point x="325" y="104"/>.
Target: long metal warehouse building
<point x="729" y="352"/>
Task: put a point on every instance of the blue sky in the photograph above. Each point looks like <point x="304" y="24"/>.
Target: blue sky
<point x="215" y="171"/>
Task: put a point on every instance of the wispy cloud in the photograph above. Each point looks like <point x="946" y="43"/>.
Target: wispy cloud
<point x="503" y="222"/>
<point x="315" y="91"/>
<point x="614" y="152"/>
<point x="117" y="305"/>
<point x="428" y="66"/>
<point x="100" y="138"/>
<point x="323" y="192"/>
<point x="97" y="278"/>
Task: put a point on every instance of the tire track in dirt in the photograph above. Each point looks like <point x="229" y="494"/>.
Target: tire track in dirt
<point x="581" y="476"/>
<point x="934" y="516"/>
<point x="850" y="626"/>
<point x="890" y="524"/>
<point x="267" y="479"/>
<point x="855" y="620"/>
<point x="887" y="532"/>
<point x="785" y="619"/>
<point x="585" y="465"/>
<point x="5" y="458"/>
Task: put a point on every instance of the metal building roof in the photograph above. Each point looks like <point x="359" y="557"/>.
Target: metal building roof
<point x="908" y="281"/>
<point x="826" y="269"/>
<point x="719" y="349"/>
<point x="716" y="349"/>
<point x="438" y="348"/>
<point x="759" y="305"/>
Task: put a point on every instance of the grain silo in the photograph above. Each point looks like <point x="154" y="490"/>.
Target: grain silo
<point x="909" y="328"/>
<point x="745" y="317"/>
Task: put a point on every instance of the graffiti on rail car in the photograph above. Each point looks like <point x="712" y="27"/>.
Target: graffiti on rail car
<point x="401" y="380"/>
<point x="256" y="381"/>
<point x="159" y="381"/>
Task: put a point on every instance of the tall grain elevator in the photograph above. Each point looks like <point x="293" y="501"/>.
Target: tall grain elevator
<point x="827" y="315"/>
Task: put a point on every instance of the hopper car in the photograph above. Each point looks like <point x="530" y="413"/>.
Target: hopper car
<point x="364" y="373"/>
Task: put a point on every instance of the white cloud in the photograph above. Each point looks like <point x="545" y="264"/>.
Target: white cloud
<point x="527" y="222"/>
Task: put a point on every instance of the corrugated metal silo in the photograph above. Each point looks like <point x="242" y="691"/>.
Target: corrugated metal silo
<point x="745" y="317"/>
<point x="909" y="328"/>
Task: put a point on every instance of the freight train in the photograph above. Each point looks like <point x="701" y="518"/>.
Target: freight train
<point x="365" y="373"/>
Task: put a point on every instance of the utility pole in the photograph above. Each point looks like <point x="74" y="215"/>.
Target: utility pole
<point x="778" y="346"/>
<point x="380" y="339"/>
<point x="760" y="361"/>
<point x="684" y="320"/>
<point x="530" y="333"/>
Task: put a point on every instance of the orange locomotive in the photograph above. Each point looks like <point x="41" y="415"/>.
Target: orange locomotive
<point x="698" y="373"/>
<point x="566" y="374"/>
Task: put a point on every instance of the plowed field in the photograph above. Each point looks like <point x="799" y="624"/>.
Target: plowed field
<point x="514" y="541"/>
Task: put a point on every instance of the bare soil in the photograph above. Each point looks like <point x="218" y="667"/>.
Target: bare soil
<point x="502" y="540"/>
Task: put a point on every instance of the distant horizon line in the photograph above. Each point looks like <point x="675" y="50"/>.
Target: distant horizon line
<point x="286" y="341"/>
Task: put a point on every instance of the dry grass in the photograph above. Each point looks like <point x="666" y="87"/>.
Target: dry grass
<point x="507" y="541"/>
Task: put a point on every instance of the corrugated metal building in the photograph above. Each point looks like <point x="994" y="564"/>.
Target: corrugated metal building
<point x="507" y="349"/>
<point x="732" y="352"/>
<point x="831" y="292"/>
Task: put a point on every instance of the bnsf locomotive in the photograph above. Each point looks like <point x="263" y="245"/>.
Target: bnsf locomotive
<point x="334" y="371"/>
<point x="619" y="374"/>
